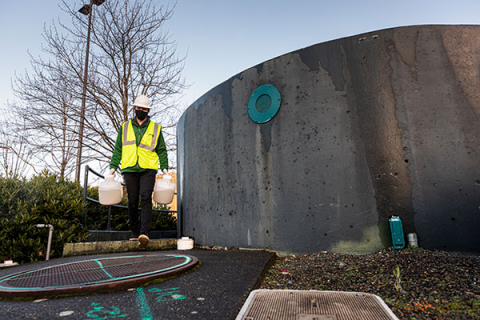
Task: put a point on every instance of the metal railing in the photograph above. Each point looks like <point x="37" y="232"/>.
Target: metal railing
<point x="86" y="198"/>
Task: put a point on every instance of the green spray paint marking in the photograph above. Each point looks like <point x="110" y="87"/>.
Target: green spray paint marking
<point x="103" y="269"/>
<point x="143" y="307"/>
<point x="100" y="312"/>
<point x="167" y="294"/>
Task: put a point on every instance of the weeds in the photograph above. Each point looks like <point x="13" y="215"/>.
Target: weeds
<point x="397" y="273"/>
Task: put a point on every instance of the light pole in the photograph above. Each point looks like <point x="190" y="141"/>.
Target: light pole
<point x="86" y="10"/>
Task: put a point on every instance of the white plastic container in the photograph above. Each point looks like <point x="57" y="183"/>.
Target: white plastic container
<point x="185" y="243"/>
<point x="164" y="190"/>
<point x="412" y="239"/>
<point x="110" y="191"/>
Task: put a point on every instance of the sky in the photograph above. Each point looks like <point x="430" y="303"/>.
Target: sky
<point x="221" y="38"/>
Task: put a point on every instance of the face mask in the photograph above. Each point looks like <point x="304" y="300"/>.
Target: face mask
<point x="141" y="115"/>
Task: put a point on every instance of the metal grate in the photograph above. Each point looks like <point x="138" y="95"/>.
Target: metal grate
<point x="108" y="273"/>
<point x="314" y="305"/>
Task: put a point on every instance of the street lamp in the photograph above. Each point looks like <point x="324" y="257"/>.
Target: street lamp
<point x="86" y="10"/>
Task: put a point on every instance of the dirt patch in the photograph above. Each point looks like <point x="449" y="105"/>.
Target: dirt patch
<point x="415" y="283"/>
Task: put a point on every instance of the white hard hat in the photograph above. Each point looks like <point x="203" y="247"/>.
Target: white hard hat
<point x="142" y="101"/>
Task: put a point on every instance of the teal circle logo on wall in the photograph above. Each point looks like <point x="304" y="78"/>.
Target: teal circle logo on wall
<point x="264" y="103"/>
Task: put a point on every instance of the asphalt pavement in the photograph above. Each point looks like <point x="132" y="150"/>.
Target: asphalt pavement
<point x="216" y="289"/>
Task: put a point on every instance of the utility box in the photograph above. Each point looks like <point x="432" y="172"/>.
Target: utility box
<point x="398" y="239"/>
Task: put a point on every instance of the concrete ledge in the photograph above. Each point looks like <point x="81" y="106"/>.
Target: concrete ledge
<point x="105" y="235"/>
<point x="85" y="248"/>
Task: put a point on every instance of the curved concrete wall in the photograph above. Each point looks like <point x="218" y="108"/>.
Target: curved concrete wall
<point x="374" y="125"/>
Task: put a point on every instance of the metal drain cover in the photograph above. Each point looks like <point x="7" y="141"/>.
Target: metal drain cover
<point x="314" y="305"/>
<point x="94" y="275"/>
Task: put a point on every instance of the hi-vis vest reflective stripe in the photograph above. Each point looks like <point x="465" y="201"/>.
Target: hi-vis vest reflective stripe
<point x="145" y="152"/>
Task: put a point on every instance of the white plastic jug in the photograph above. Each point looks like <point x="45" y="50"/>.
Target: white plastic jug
<point x="164" y="190"/>
<point x="110" y="191"/>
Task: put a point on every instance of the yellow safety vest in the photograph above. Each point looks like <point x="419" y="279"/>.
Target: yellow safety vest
<point x="144" y="153"/>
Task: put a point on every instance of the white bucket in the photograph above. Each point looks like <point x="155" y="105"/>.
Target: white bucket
<point x="185" y="243"/>
<point x="412" y="239"/>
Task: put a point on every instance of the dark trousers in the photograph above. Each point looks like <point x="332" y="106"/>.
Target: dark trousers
<point x="140" y="187"/>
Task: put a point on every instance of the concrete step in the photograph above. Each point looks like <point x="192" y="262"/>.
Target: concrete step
<point x="111" y="235"/>
<point x="100" y="247"/>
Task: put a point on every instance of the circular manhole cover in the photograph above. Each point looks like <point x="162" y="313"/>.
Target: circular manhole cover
<point x="94" y="275"/>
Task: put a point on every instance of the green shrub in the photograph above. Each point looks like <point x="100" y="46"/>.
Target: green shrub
<point x="163" y="220"/>
<point x="96" y="216"/>
<point x="49" y="199"/>
<point x="44" y="199"/>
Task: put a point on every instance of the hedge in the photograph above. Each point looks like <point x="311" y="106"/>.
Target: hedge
<point x="47" y="198"/>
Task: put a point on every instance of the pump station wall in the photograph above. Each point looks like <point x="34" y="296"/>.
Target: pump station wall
<point x="369" y="126"/>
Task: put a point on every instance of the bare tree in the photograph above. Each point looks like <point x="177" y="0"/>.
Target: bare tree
<point x="130" y="54"/>
<point x="15" y="155"/>
<point x="46" y="119"/>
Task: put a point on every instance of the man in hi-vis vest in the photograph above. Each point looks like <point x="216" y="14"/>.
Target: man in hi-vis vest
<point x="140" y="148"/>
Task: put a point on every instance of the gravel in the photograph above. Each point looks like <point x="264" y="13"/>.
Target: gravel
<point x="415" y="283"/>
